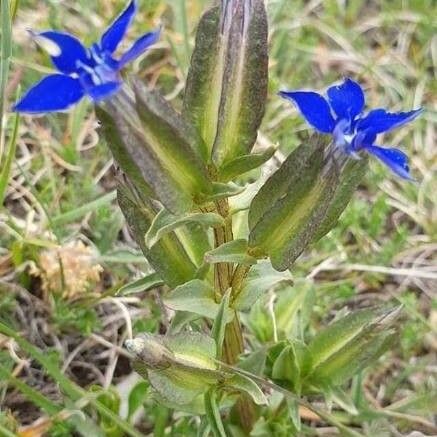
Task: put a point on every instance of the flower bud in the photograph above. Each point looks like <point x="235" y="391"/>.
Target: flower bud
<point x="301" y="201"/>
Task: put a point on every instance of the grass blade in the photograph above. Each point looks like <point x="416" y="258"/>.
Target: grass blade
<point x="5" y="58"/>
<point x="5" y="168"/>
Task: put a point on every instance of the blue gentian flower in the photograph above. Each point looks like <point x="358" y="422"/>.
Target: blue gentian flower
<point x="341" y="115"/>
<point x="93" y="71"/>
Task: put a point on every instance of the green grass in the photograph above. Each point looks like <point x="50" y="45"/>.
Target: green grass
<point x="57" y="186"/>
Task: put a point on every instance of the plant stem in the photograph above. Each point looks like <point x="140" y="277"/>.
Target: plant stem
<point x="225" y="278"/>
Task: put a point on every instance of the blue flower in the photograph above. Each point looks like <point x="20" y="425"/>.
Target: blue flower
<point x="341" y="115"/>
<point x="83" y="71"/>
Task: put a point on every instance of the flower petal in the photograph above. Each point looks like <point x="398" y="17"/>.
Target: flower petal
<point x="139" y="46"/>
<point x="64" y="49"/>
<point x="101" y="92"/>
<point x="379" y="120"/>
<point x="116" y="31"/>
<point x="396" y="160"/>
<point x="56" y="92"/>
<point x="313" y="107"/>
<point x="346" y="99"/>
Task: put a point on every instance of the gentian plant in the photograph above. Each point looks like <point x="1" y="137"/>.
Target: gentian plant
<point x="218" y="244"/>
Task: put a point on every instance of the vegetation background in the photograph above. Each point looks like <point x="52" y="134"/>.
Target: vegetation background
<point x="65" y="250"/>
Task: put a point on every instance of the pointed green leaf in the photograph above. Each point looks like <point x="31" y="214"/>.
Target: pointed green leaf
<point x="143" y="284"/>
<point x="220" y="322"/>
<point x="227" y="81"/>
<point x="293" y="308"/>
<point x="213" y="413"/>
<point x="221" y="190"/>
<point x="337" y="335"/>
<point x="168" y="257"/>
<point x="246" y="385"/>
<point x="293" y="409"/>
<point x="194" y="347"/>
<point x="195" y="296"/>
<point x="243" y="164"/>
<point x="291" y="364"/>
<point x="137" y="397"/>
<point x="176" y="387"/>
<point x="174" y="141"/>
<point x="233" y="252"/>
<point x="132" y="152"/>
<point x="261" y="278"/>
<point x="349" y="345"/>
<point x="165" y="222"/>
<point x="255" y="362"/>
<point x="342" y="399"/>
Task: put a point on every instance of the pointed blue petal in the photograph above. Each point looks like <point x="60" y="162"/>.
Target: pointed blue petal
<point x="346" y="99"/>
<point x="101" y="92"/>
<point x="56" y="92"/>
<point x="314" y="108"/>
<point x="116" y="31"/>
<point x="64" y="49"/>
<point x="396" y="160"/>
<point x="379" y="120"/>
<point x="139" y="46"/>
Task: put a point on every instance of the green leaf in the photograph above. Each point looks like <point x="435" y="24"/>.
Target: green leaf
<point x="349" y="345"/>
<point x="293" y="409"/>
<point x="193" y="346"/>
<point x="233" y="252"/>
<point x="221" y="190"/>
<point x="261" y="278"/>
<point x="337" y="335"/>
<point x="293" y="308"/>
<point x="137" y="397"/>
<point x="231" y="53"/>
<point x="419" y="403"/>
<point x="255" y="362"/>
<point x="76" y="213"/>
<point x="168" y="257"/>
<point x="143" y="284"/>
<point x="291" y="364"/>
<point x="220" y="322"/>
<point x="173" y="140"/>
<point x="195" y="296"/>
<point x="292" y="204"/>
<point x="165" y="222"/>
<point x="213" y="413"/>
<point x="176" y="387"/>
<point x="243" y="164"/>
<point x="5" y="59"/>
<point x="246" y="385"/>
<point x="5" y="170"/>
<point x="179" y="367"/>
<point x="124" y="136"/>
<point x="341" y="398"/>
